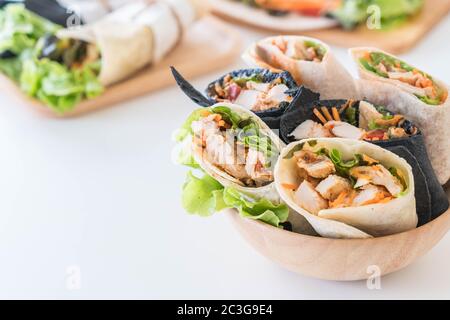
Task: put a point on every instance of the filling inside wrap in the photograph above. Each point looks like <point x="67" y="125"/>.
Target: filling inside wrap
<point x="362" y="121"/>
<point x="422" y="84"/>
<point x="327" y="181"/>
<point x="252" y="92"/>
<point x="234" y="145"/>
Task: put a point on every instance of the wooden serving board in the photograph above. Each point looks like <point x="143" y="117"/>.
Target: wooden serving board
<point x="397" y="41"/>
<point x="210" y="44"/>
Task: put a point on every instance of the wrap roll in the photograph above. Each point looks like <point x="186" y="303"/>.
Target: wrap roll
<point x="136" y="35"/>
<point x="309" y="61"/>
<point x="235" y="173"/>
<point x="265" y="93"/>
<point x="330" y="217"/>
<point x="431" y="200"/>
<point x="390" y="89"/>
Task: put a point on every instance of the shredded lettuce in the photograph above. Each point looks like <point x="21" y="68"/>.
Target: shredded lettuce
<point x="57" y="86"/>
<point x="343" y="167"/>
<point x="20" y="29"/>
<point x="256" y="209"/>
<point x="12" y="68"/>
<point x="54" y="84"/>
<point x="393" y="12"/>
<point x="204" y="196"/>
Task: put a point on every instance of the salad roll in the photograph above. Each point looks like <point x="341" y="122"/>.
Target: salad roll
<point x="265" y="93"/>
<point x="237" y="152"/>
<point x="236" y="148"/>
<point x="403" y="88"/>
<point x="347" y="188"/>
<point x="136" y="35"/>
<point x="309" y="61"/>
<point x="361" y="120"/>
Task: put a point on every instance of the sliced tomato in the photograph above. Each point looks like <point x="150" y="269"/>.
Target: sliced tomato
<point x="378" y="134"/>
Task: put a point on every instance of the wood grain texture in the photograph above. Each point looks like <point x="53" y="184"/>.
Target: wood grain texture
<point x="341" y="260"/>
<point x="210" y="44"/>
<point x="395" y="41"/>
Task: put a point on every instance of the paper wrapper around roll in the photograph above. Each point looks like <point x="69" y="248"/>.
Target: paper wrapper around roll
<point x="137" y="35"/>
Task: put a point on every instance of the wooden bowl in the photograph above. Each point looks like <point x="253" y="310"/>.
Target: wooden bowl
<point x="341" y="260"/>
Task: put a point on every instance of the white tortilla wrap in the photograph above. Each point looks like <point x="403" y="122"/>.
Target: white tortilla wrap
<point x="328" y="77"/>
<point x="269" y="191"/>
<point x="137" y="35"/>
<point x="376" y="220"/>
<point x="434" y="121"/>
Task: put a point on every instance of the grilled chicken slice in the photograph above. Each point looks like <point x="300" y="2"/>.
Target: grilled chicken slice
<point x="377" y="175"/>
<point x="371" y="194"/>
<point x="309" y="199"/>
<point x="222" y="154"/>
<point x="258" y="86"/>
<point x="205" y="127"/>
<point x="344" y="130"/>
<point x="317" y="166"/>
<point x="333" y="186"/>
<point x="277" y="93"/>
<point x="256" y="168"/>
<point x="247" y="98"/>
<point x="310" y="129"/>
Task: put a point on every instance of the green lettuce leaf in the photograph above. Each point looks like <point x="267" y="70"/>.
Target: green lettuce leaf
<point x="185" y="156"/>
<point x="20" y="28"/>
<point x="256" y="209"/>
<point x="186" y="129"/>
<point x="57" y="86"/>
<point x="393" y="12"/>
<point x="202" y="196"/>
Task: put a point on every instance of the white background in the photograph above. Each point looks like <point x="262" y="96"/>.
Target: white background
<point x="101" y="193"/>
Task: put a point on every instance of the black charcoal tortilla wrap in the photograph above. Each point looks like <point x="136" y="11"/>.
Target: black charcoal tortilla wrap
<point x="262" y="75"/>
<point x="323" y="74"/>
<point x="267" y="191"/>
<point x="137" y="35"/>
<point x="376" y="220"/>
<point x="399" y="97"/>
<point x="431" y="200"/>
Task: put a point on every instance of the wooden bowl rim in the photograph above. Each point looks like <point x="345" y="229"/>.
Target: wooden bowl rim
<point x="272" y="229"/>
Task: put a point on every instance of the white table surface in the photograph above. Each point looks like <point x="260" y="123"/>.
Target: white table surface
<point x="101" y="194"/>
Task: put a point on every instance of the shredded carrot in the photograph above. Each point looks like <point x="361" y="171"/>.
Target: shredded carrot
<point x="221" y="123"/>
<point x="289" y="186"/>
<point x="339" y="200"/>
<point x="336" y="115"/>
<point x="387" y="199"/>
<point x="327" y="113"/>
<point x="367" y="56"/>
<point x="346" y="105"/>
<point x="205" y="113"/>
<point x="319" y="115"/>
<point x="218" y="117"/>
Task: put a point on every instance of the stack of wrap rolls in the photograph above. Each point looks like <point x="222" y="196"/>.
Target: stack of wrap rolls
<point x="333" y="86"/>
<point x="430" y="197"/>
